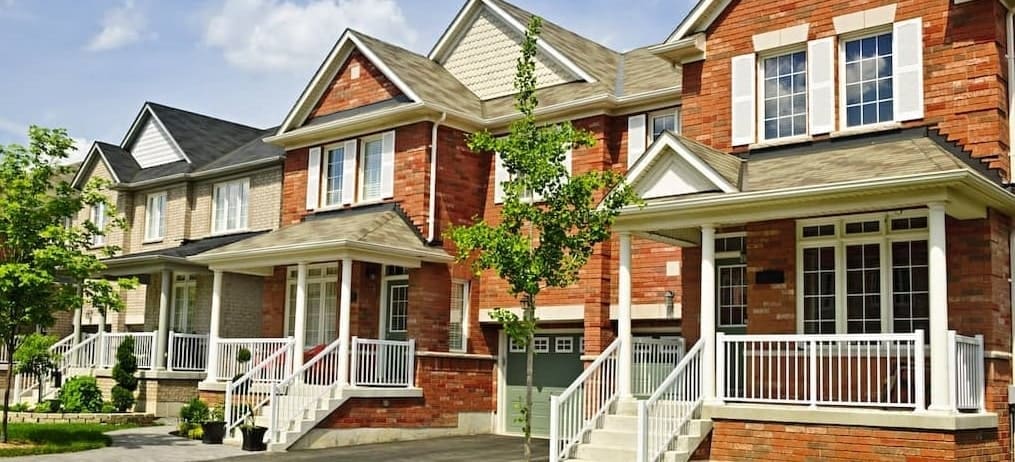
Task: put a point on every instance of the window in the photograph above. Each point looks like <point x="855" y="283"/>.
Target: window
<point x="334" y="173"/>
<point x="784" y="88"/>
<point x="541" y="344"/>
<point x="858" y="275"/>
<point x="458" y="326"/>
<point x="184" y="302"/>
<point x="229" y="206"/>
<point x="155" y="217"/>
<point x="663" y="121"/>
<point x="868" y="80"/>
<point x="99" y="220"/>
<point x="732" y="295"/>
<point x="516" y="346"/>
<point x="563" y="344"/>
<point x="371" y="171"/>
<point x="322" y="304"/>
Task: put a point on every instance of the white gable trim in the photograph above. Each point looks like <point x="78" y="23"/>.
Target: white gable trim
<point x="643" y="168"/>
<point x="137" y="126"/>
<point x="338" y="56"/>
<point x="453" y="33"/>
<point x="700" y="17"/>
<point x="95" y="151"/>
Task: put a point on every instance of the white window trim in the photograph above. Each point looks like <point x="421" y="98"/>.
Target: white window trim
<point x="214" y="206"/>
<point x="97" y="215"/>
<point x="163" y="222"/>
<point x="843" y="128"/>
<point x="650" y="122"/>
<point x="885" y="237"/>
<point x="189" y="281"/>
<point x="290" y="284"/>
<point x="562" y="344"/>
<point x="514" y="346"/>
<point x="537" y="340"/>
<point x="759" y="118"/>
<point x="322" y="198"/>
<point x="361" y="170"/>
<point x="466" y="292"/>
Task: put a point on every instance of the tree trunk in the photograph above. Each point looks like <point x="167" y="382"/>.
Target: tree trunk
<point x="530" y="315"/>
<point x="7" y="389"/>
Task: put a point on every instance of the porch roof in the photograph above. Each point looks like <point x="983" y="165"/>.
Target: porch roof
<point x="380" y="234"/>
<point x="170" y="257"/>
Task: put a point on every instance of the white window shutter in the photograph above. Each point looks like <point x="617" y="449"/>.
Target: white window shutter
<point x="743" y="108"/>
<point x="821" y="85"/>
<point x="636" y="137"/>
<point x="388" y="165"/>
<point x="500" y="175"/>
<point x="313" y="178"/>
<point x="349" y="172"/>
<point x="907" y="74"/>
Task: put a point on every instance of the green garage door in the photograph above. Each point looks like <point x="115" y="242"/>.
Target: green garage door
<point x="557" y="364"/>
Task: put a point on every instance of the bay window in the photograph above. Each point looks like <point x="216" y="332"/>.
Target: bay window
<point x="155" y="216"/>
<point x="230" y="206"/>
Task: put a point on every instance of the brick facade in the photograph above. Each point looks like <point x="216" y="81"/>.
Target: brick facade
<point x="357" y="83"/>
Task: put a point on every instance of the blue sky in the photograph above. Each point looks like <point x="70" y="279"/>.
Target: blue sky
<point x="88" y="65"/>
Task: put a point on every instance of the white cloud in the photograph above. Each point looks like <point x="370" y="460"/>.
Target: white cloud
<point x="78" y="153"/>
<point x="121" y="26"/>
<point x="284" y="35"/>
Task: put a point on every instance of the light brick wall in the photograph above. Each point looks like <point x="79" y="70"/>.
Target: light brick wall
<point x="265" y="197"/>
<point x="177" y="211"/>
<point x="123" y="202"/>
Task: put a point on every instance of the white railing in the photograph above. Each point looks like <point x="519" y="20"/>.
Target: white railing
<point x="965" y="367"/>
<point x="652" y="361"/>
<point x="81" y="355"/>
<point x="27" y="385"/>
<point x="144" y="348"/>
<point x="187" y="352"/>
<point x="382" y="363"/>
<point x="248" y="393"/>
<point x="666" y="414"/>
<point x="873" y="370"/>
<point x="580" y="407"/>
<point x="259" y="348"/>
<point x="302" y="391"/>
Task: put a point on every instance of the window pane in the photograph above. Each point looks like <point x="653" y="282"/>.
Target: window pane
<point x="785" y="98"/>
<point x="333" y="176"/>
<point x="456" y="340"/>
<point x="910" y="295"/>
<point x="663" y="123"/>
<point x="868" y="80"/>
<point x="819" y="290"/>
<point x="732" y="298"/>
<point x="372" y="170"/>
<point x="863" y="288"/>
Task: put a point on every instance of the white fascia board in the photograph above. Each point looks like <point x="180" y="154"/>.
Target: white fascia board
<point x="695" y="16"/>
<point x="95" y="151"/>
<point x="450" y="35"/>
<point x="643" y="165"/>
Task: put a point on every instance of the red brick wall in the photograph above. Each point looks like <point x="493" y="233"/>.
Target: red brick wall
<point x="450" y="386"/>
<point x="273" y="308"/>
<point x="345" y="92"/>
<point x="964" y="72"/>
<point x="759" y="441"/>
<point x="771" y="245"/>
<point x="978" y="289"/>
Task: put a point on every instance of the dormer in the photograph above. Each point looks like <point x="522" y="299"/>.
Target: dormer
<point x="150" y="143"/>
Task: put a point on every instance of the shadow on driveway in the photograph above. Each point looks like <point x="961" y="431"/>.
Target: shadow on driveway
<point x="481" y="448"/>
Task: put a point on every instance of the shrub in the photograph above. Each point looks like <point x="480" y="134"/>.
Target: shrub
<point x="43" y="408"/>
<point x="19" y="407"/>
<point x="123" y="373"/>
<point x="195" y="433"/>
<point x="242" y="355"/>
<point x="81" y="394"/>
<point x="34" y="358"/>
<point x="108" y="407"/>
<point x="194" y="412"/>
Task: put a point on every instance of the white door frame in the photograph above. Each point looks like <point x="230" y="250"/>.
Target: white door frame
<point x="382" y="318"/>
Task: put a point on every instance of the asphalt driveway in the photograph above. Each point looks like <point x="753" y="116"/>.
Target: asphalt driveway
<point x="484" y="448"/>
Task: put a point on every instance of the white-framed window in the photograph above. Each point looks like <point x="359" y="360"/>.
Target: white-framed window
<point x="867" y="82"/>
<point x="783" y="88"/>
<point x="458" y="325"/>
<point x="370" y="162"/>
<point x="732" y="300"/>
<point x="230" y="203"/>
<point x="322" y="303"/>
<point x="863" y="274"/>
<point x="155" y="216"/>
<point x="661" y="121"/>
<point x="515" y="346"/>
<point x="541" y="344"/>
<point x="334" y="176"/>
<point x="563" y="344"/>
<point x="184" y="302"/>
<point x="98" y="218"/>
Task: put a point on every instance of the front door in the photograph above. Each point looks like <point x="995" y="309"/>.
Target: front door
<point x="396" y="313"/>
<point x="731" y="317"/>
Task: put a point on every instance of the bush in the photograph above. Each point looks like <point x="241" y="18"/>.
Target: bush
<point x="195" y="433"/>
<point x="108" y="407"/>
<point x="81" y="394"/>
<point x="19" y="407"/>
<point x="33" y="357"/>
<point x="123" y="373"/>
<point x="242" y="355"/>
<point x="195" y="412"/>
<point x="43" y="408"/>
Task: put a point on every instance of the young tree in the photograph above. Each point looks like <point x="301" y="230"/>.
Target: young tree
<point x="35" y="358"/>
<point x="550" y="222"/>
<point x="46" y="265"/>
<point x="123" y="373"/>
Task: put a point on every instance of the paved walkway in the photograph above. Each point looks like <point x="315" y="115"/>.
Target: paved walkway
<point x="484" y="448"/>
<point x="144" y="444"/>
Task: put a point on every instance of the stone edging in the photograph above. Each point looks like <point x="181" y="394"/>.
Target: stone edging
<point x="136" y="418"/>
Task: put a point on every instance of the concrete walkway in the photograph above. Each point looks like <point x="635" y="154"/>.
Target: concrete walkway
<point x="483" y="448"/>
<point x="144" y="444"/>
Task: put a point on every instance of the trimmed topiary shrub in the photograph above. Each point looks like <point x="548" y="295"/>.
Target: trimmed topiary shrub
<point x="81" y="394"/>
<point x="123" y="372"/>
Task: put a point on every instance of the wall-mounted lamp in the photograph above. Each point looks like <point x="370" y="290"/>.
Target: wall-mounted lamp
<point x="668" y="301"/>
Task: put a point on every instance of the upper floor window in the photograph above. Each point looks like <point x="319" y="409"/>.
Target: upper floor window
<point x="334" y="175"/>
<point x="230" y="205"/>
<point x="868" y="80"/>
<point x="784" y="88"/>
<point x="667" y="120"/>
<point x="358" y="170"/>
<point x="155" y="216"/>
<point x="98" y="218"/>
<point x="370" y="173"/>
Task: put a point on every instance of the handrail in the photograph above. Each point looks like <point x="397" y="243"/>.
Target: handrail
<point x="298" y="404"/>
<point x="246" y="390"/>
<point x="666" y="413"/>
<point x="578" y="409"/>
<point x="27" y="383"/>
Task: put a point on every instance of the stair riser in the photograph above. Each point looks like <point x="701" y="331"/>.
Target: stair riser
<point x="605" y="453"/>
<point x="614" y="438"/>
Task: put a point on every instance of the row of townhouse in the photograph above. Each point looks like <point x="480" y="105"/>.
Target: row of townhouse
<point x="821" y="269"/>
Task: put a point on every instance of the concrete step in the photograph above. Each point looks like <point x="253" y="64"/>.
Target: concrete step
<point x="614" y="437"/>
<point x="626" y="406"/>
<point x="620" y="422"/>
<point x="601" y="453"/>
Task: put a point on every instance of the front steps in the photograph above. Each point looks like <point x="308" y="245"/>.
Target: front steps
<point x="617" y="439"/>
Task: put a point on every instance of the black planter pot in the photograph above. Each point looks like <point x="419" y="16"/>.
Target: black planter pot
<point x="213" y="432"/>
<point x="253" y="438"/>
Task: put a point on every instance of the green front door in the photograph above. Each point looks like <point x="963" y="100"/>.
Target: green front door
<point x="557" y="363"/>
<point x="731" y="319"/>
<point x="396" y="313"/>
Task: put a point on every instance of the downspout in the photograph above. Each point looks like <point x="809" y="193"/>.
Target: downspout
<point x="1010" y="57"/>
<point x="431" y="215"/>
<point x="1010" y="35"/>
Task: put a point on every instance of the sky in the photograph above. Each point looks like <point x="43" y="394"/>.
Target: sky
<point x="89" y="65"/>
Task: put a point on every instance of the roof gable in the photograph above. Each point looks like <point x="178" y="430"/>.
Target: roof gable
<point x="357" y="83"/>
<point x="672" y="167"/>
<point x="150" y="143"/>
<point x="698" y="19"/>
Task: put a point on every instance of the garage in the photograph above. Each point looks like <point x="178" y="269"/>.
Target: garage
<point x="557" y="364"/>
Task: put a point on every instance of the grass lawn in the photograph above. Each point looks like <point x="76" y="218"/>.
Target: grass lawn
<point x="33" y="439"/>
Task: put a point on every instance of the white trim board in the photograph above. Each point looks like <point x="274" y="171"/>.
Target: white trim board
<point x="557" y="313"/>
<point x="137" y="125"/>
<point x="87" y="162"/>
<point x="643" y="168"/>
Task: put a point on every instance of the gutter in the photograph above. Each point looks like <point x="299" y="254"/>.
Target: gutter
<point x="201" y="174"/>
<point x="431" y="220"/>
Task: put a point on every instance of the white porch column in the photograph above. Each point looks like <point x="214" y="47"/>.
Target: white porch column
<point x="77" y="325"/>
<point x="213" y="327"/>
<point x="102" y="339"/>
<point x="707" y="313"/>
<point x="300" y="318"/>
<point x="344" y="312"/>
<point x="938" y="291"/>
<point x="163" y="336"/>
<point x="624" y="317"/>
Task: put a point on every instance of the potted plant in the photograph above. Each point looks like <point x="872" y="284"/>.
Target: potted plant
<point x="253" y="435"/>
<point x="215" y="427"/>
